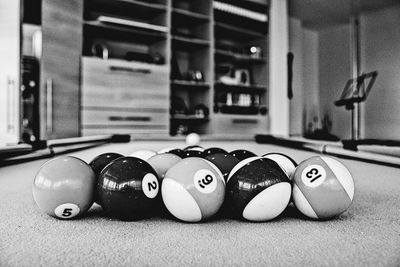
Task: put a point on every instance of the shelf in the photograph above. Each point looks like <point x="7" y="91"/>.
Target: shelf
<point x="188" y="17"/>
<point x="227" y="31"/>
<point x="130" y="8"/>
<point x="181" y="84"/>
<point x="184" y="43"/>
<point x="241" y="22"/>
<point x="243" y="110"/>
<point x="122" y="33"/>
<point x="238" y="58"/>
<point x="188" y="118"/>
<point x="242" y="9"/>
<point x="240" y="88"/>
<point x="131" y="23"/>
<point x="255" y="5"/>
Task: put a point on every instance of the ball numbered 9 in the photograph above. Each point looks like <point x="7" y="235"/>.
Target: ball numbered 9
<point x="64" y="187"/>
<point x="323" y="187"/>
<point x="128" y="188"/>
<point x="193" y="190"/>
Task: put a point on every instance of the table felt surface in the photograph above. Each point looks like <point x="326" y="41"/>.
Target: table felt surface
<point x="367" y="234"/>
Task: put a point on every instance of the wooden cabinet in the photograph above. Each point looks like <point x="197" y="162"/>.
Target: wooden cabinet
<point x="125" y="68"/>
<point x="60" y="68"/>
<point x="55" y="31"/>
<point x="10" y="23"/>
<point x="196" y="40"/>
<point x="123" y="97"/>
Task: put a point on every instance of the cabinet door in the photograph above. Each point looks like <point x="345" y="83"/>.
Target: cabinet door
<point x="60" y="68"/>
<point x="10" y="27"/>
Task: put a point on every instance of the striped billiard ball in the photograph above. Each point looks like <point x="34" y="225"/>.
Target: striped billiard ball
<point x="257" y="189"/>
<point x="193" y="190"/>
<point x="323" y="187"/>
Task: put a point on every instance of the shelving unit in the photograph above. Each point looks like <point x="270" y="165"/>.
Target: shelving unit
<point x="195" y="40"/>
<point x="241" y="66"/>
<point x="191" y="63"/>
<point x="141" y="67"/>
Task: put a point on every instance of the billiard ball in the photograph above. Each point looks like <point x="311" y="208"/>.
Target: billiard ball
<point x="224" y="162"/>
<point x="213" y="150"/>
<point x="128" y="188"/>
<point x="323" y="187"/>
<point x="177" y="151"/>
<point x="192" y="139"/>
<point x="257" y="190"/>
<point x="192" y="153"/>
<point x="197" y="148"/>
<point x="143" y="154"/>
<point x="287" y="164"/>
<point x="242" y="154"/>
<point x="64" y="187"/>
<point x="98" y="164"/>
<point x="162" y="162"/>
<point x="193" y="190"/>
<point x="165" y="150"/>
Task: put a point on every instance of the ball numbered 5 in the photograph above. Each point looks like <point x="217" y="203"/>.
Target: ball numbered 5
<point x="193" y="190"/>
<point x="323" y="187"/>
<point x="64" y="187"/>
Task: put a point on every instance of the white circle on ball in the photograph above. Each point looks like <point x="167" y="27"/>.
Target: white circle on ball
<point x="67" y="210"/>
<point x="150" y="185"/>
<point x="205" y="181"/>
<point x="313" y="175"/>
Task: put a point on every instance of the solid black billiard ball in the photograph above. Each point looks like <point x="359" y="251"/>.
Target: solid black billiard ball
<point x="257" y="189"/>
<point x="213" y="150"/>
<point x="193" y="153"/>
<point x="224" y="161"/>
<point x="98" y="164"/>
<point x="177" y="151"/>
<point x="128" y="188"/>
<point x="242" y="154"/>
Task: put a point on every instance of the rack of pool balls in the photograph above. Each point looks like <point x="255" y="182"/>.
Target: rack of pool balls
<point x="193" y="185"/>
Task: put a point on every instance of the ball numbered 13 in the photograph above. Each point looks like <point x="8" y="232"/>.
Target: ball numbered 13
<point x="323" y="187"/>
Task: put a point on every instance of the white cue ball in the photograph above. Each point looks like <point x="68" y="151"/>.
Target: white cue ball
<point x="192" y="139"/>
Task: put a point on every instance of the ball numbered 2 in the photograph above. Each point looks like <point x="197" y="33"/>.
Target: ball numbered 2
<point x="323" y="187"/>
<point x="128" y="188"/>
<point x="193" y="190"/>
<point x="64" y="187"/>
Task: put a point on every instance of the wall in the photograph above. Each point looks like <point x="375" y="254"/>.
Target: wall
<point x="279" y="46"/>
<point x="334" y="71"/>
<point x="296" y="103"/>
<point x="380" y="50"/>
<point x="305" y="103"/>
<point x="323" y="65"/>
<point x="310" y="79"/>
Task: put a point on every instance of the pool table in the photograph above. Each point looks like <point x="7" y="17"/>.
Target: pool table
<point x="367" y="234"/>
